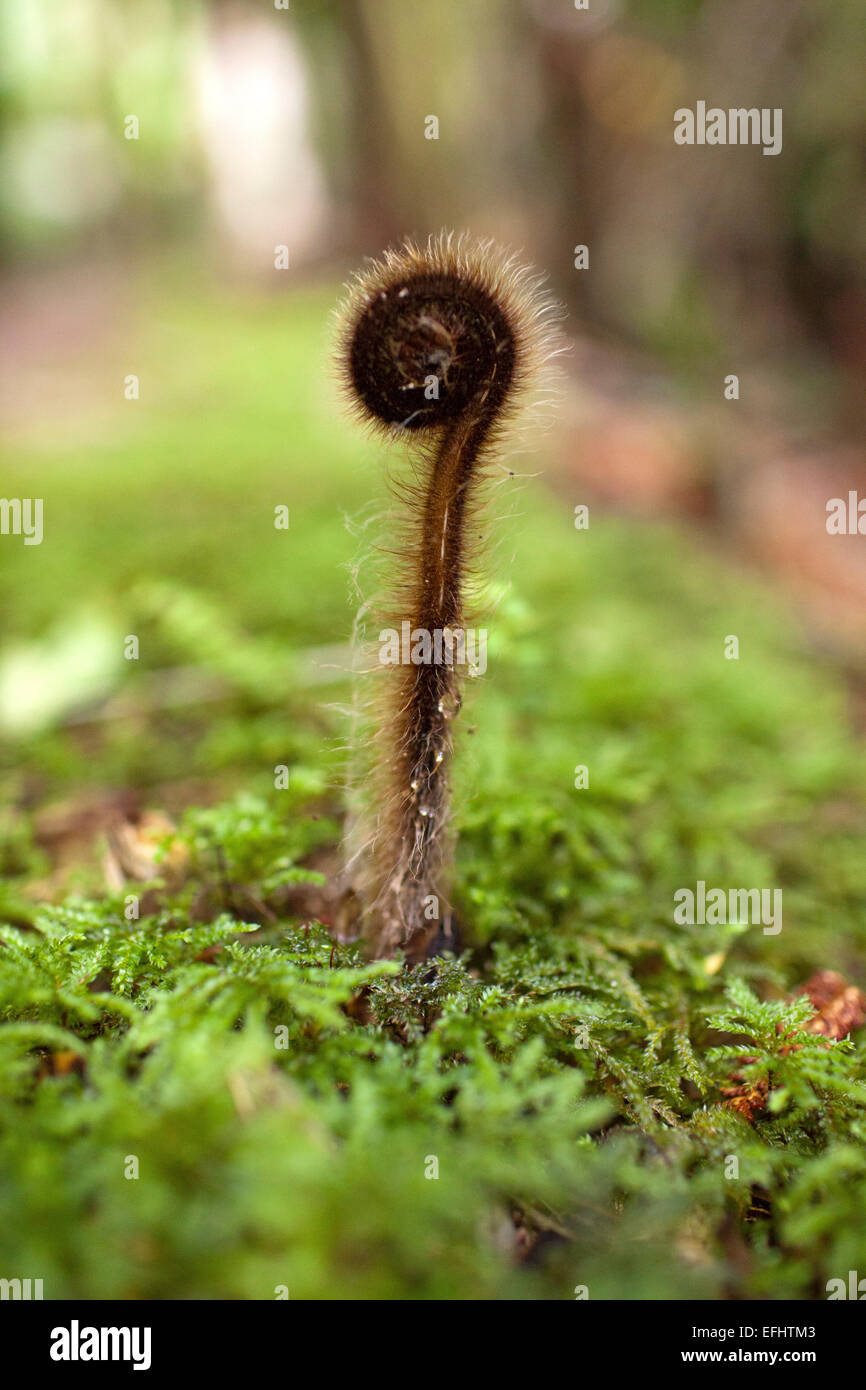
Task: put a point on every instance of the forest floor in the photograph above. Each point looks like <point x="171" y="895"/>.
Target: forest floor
<point x="212" y="1099"/>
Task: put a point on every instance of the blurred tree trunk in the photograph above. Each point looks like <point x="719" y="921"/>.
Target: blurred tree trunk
<point x="376" y="160"/>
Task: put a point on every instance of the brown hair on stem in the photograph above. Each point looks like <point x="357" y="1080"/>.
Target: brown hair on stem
<point x="442" y="346"/>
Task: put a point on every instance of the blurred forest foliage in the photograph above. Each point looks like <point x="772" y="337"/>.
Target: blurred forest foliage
<point x="555" y="130"/>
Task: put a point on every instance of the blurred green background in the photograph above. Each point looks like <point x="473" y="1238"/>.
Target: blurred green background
<point x="261" y="128"/>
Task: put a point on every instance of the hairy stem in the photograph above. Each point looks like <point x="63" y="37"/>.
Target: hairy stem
<point x="439" y="345"/>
